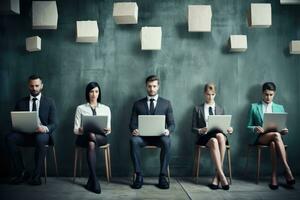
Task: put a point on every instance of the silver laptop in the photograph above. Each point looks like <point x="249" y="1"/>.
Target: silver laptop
<point x="24" y="121"/>
<point x="275" y="121"/>
<point x="221" y="122"/>
<point x="151" y="125"/>
<point x="94" y="124"/>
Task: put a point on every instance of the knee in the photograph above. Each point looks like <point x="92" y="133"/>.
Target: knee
<point x="220" y="137"/>
<point x="91" y="137"/>
<point x="41" y="140"/>
<point x="165" y="141"/>
<point x="135" y="141"/>
<point x="212" y="143"/>
<point x="277" y="137"/>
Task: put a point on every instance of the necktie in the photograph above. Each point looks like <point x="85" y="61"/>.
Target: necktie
<point x="94" y="111"/>
<point x="210" y="111"/>
<point x="152" y="106"/>
<point x="34" y="104"/>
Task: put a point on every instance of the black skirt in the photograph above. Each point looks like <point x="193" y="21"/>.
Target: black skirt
<point x="82" y="140"/>
<point x="203" y="139"/>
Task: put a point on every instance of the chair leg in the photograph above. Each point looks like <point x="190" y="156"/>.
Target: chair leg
<point x="109" y="162"/>
<point x="229" y="165"/>
<point x="258" y="164"/>
<point x="45" y="168"/>
<point x="80" y="162"/>
<point x="75" y="164"/>
<point x="55" y="161"/>
<point x="169" y="173"/>
<point x="106" y="164"/>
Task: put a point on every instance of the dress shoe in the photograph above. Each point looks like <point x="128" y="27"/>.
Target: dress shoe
<point x="289" y="182"/>
<point x="22" y="177"/>
<point x="213" y="186"/>
<point x="273" y="187"/>
<point x="163" y="183"/>
<point x="138" y="182"/>
<point x="35" y="180"/>
<point x="225" y="187"/>
<point x="93" y="186"/>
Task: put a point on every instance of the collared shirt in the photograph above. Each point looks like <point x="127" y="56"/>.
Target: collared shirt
<point x="206" y="110"/>
<point x="85" y="109"/>
<point x="155" y="100"/>
<point x="267" y="108"/>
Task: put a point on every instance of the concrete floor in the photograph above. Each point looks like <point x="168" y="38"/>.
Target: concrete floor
<point x="180" y="188"/>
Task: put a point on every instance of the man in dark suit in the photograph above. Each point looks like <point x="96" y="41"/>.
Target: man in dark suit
<point x="151" y="105"/>
<point x="41" y="137"/>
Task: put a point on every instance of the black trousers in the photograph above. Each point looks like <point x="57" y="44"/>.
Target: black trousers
<point x="37" y="140"/>
<point x="138" y="142"/>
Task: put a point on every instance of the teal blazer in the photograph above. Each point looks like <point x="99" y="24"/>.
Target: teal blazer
<point x="256" y="114"/>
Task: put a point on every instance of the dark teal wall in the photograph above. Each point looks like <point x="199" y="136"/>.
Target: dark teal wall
<point x="186" y="62"/>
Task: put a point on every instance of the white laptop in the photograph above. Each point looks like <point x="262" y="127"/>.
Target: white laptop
<point x="94" y="124"/>
<point x="151" y="125"/>
<point x="221" y="122"/>
<point x="24" y="121"/>
<point x="275" y="121"/>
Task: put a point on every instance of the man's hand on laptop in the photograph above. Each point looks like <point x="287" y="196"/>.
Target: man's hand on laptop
<point x="166" y="132"/>
<point x="202" y="131"/>
<point x="40" y="129"/>
<point x="80" y="130"/>
<point x="106" y="130"/>
<point x="284" y="131"/>
<point x="135" y="132"/>
<point x="230" y="130"/>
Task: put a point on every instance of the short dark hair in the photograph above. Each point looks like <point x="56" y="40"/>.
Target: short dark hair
<point x="152" y="78"/>
<point x="89" y="87"/>
<point x="34" y="77"/>
<point x="269" y="86"/>
<point x="210" y="87"/>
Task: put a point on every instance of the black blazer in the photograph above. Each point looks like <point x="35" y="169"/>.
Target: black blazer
<point x="163" y="107"/>
<point x="199" y="119"/>
<point x="47" y="111"/>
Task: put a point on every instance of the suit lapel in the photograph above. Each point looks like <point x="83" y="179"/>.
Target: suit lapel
<point x="202" y="112"/>
<point x="42" y="103"/>
<point x="157" y="105"/>
<point x="27" y="102"/>
<point x="260" y="111"/>
<point x="146" y="106"/>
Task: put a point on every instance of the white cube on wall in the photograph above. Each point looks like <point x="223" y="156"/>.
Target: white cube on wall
<point x="44" y="15"/>
<point x="125" y="13"/>
<point x="33" y="43"/>
<point x="238" y="43"/>
<point x="295" y="47"/>
<point x="151" y="38"/>
<point x="87" y="31"/>
<point x="10" y="6"/>
<point x="289" y="2"/>
<point x="199" y="18"/>
<point x="260" y="15"/>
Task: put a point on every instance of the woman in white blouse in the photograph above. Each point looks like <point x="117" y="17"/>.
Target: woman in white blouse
<point x="91" y="140"/>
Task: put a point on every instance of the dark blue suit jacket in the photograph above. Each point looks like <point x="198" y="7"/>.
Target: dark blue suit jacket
<point x="47" y="111"/>
<point x="163" y="107"/>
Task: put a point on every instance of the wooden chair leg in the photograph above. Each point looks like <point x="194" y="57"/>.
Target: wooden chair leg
<point x="109" y="162"/>
<point x="80" y="162"/>
<point x="169" y="173"/>
<point x="258" y="164"/>
<point x="229" y="165"/>
<point x="75" y="164"/>
<point x="247" y="159"/>
<point x="198" y="152"/>
<point x="55" y="160"/>
<point x="106" y="164"/>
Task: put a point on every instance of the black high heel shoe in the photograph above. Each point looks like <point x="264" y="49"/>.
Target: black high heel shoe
<point x="273" y="187"/>
<point x="213" y="186"/>
<point x="289" y="182"/>
<point x="225" y="187"/>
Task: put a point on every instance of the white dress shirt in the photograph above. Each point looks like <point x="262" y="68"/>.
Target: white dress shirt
<point x="206" y="110"/>
<point x="267" y="108"/>
<point x="85" y="109"/>
<point x="155" y="100"/>
<point x="37" y="103"/>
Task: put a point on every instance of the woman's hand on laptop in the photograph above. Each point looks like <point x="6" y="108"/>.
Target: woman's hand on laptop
<point x="259" y="130"/>
<point x="284" y="131"/>
<point x="230" y="130"/>
<point x="135" y="132"/>
<point x="80" y="130"/>
<point x="107" y="130"/>
<point x="202" y="131"/>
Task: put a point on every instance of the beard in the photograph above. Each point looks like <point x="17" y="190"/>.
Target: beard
<point x="35" y="93"/>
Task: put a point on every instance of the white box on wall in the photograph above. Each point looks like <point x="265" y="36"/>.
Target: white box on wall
<point x="289" y="2"/>
<point x="125" y="13"/>
<point x="260" y="15"/>
<point x="33" y="43"/>
<point x="151" y="38"/>
<point x="87" y="31"/>
<point x="295" y="47"/>
<point x="199" y="18"/>
<point x="44" y="15"/>
<point x="238" y="43"/>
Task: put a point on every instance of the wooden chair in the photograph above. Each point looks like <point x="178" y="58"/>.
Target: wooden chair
<point x="78" y="153"/>
<point x="258" y="149"/>
<point x="55" y="162"/>
<point x="197" y="161"/>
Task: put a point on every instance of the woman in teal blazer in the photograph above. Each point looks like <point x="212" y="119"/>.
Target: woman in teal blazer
<point x="270" y="137"/>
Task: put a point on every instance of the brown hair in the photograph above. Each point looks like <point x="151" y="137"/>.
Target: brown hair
<point x="210" y="87"/>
